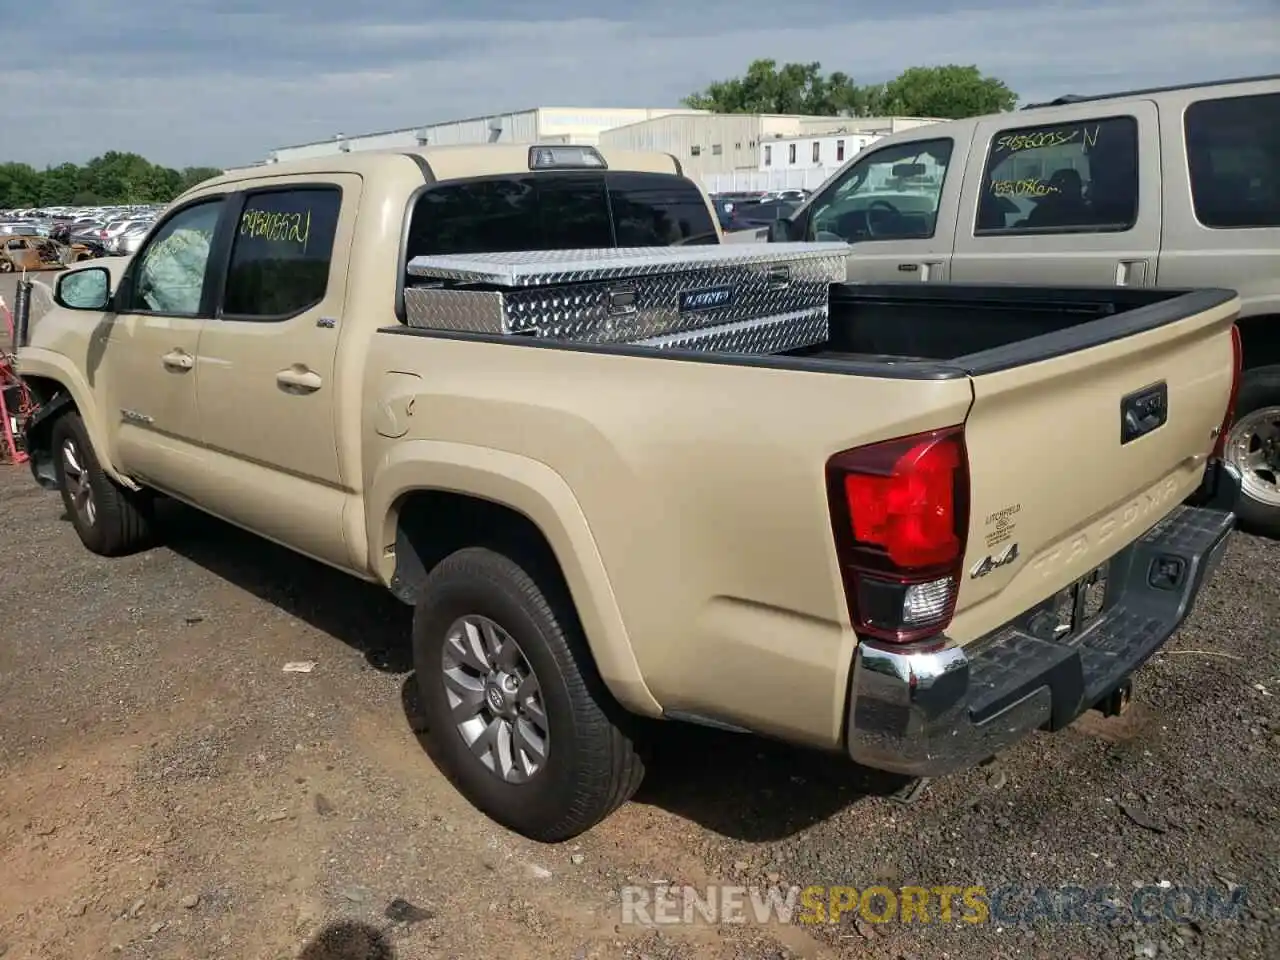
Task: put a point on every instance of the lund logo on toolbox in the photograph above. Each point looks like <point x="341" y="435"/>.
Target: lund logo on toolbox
<point x="706" y="299"/>
<point x="989" y="563"/>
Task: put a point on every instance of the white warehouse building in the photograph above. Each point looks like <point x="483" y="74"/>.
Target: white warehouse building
<point x="823" y="152"/>
<point x="581" y="125"/>
<point x="728" y="151"/>
<point x="724" y="151"/>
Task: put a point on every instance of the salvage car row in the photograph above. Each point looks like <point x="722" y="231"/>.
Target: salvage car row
<point x="625" y="473"/>
<point x="91" y="231"/>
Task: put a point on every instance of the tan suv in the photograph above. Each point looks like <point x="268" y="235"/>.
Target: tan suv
<point x="1175" y="187"/>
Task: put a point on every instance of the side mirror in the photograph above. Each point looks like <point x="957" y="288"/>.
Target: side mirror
<point x="85" y="289"/>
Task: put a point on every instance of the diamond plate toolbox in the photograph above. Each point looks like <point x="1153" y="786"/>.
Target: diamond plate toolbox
<point x="752" y="298"/>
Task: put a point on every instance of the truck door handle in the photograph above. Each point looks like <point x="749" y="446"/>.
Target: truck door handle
<point x="298" y="379"/>
<point x="1131" y="273"/>
<point x="178" y="360"/>
<point x="926" y="270"/>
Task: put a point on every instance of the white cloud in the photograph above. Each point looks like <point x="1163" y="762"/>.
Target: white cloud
<point x="232" y="88"/>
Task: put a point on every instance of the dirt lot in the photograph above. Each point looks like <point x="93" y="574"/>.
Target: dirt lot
<point x="167" y="790"/>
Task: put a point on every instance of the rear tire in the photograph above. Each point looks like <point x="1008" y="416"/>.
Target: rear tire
<point x="588" y="765"/>
<point x="1253" y="446"/>
<point x="110" y="520"/>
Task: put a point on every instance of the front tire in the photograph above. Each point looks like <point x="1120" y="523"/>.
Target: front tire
<point x="521" y="721"/>
<point x="109" y="519"/>
<point x="1253" y="447"/>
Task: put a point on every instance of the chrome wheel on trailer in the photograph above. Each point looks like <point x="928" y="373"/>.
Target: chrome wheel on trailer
<point x="1253" y="447"/>
<point x="495" y="699"/>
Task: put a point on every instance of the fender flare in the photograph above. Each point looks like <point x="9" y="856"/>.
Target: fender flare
<point x="536" y="491"/>
<point x="37" y="362"/>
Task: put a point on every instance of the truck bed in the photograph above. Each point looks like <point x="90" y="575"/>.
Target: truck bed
<point x="935" y="331"/>
<point x="983" y="328"/>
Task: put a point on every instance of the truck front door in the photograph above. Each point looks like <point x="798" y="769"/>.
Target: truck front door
<point x="145" y="355"/>
<point x="897" y="206"/>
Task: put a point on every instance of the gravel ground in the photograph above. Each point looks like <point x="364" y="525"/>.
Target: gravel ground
<point x="167" y="790"/>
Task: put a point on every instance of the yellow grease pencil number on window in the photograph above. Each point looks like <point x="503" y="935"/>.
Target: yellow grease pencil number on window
<point x="1014" y="142"/>
<point x="277" y="227"/>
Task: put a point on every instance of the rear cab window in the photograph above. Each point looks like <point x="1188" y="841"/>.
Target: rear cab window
<point x="559" y="211"/>
<point x="1075" y="177"/>
<point x="1233" y="155"/>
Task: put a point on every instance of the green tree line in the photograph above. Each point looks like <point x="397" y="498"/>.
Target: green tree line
<point x="113" y="178"/>
<point x="947" y="92"/>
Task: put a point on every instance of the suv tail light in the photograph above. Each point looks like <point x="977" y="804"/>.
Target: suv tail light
<point x="900" y="514"/>
<point x="1237" y="358"/>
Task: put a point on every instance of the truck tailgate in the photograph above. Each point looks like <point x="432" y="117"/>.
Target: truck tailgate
<point x="1058" y="485"/>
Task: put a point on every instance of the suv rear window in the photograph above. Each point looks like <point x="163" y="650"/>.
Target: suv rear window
<point x="559" y="211"/>
<point x="1233" y="151"/>
<point x="1077" y="177"/>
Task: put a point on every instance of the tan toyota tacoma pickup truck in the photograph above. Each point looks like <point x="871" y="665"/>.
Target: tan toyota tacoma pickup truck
<point x="953" y="516"/>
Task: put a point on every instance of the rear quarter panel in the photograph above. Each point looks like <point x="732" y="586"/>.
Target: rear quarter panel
<point x="702" y="491"/>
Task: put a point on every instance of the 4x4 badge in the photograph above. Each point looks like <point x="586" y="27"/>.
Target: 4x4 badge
<point x="1001" y="559"/>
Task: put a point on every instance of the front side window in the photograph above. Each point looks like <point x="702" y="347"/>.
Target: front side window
<point x="1233" y="151"/>
<point x="1078" y="177"/>
<point x="281" y="251"/>
<point x="891" y="194"/>
<point x="170" y="271"/>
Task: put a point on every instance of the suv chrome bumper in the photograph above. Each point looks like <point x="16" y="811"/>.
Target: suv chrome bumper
<point x="932" y="713"/>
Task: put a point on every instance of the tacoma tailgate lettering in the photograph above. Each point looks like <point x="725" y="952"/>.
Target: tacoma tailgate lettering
<point x="1136" y="515"/>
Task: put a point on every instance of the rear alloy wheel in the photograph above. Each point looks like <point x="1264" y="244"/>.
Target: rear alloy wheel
<point x="495" y="700"/>
<point x="1253" y="447"/>
<point x="519" y="718"/>
<point x="6" y="266"/>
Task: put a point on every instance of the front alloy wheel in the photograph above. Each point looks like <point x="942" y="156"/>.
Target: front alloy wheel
<point x="495" y="699"/>
<point x="79" y="489"/>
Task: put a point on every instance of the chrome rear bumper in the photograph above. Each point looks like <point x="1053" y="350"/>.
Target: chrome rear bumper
<point x="932" y="712"/>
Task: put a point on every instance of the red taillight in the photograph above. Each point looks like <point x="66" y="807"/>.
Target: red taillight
<point x="1237" y="359"/>
<point x="900" y="513"/>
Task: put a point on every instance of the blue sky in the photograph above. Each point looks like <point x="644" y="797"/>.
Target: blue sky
<point x="221" y="82"/>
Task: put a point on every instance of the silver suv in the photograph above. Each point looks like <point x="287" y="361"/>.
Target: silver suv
<point x="1175" y="187"/>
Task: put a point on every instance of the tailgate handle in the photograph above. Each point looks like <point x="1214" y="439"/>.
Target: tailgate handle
<point x="1143" y="411"/>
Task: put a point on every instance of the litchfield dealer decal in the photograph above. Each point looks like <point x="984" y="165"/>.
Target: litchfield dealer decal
<point x="708" y="298"/>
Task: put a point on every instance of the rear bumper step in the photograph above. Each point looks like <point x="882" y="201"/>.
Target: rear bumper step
<point x="932" y="713"/>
